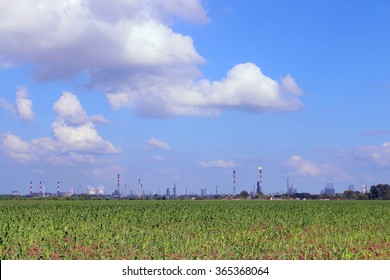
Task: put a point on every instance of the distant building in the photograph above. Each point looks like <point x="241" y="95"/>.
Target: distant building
<point x="51" y="194"/>
<point x="64" y="194"/>
<point x="203" y="192"/>
<point x="351" y="187"/>
<point x="91" y="191"/>
<point x="100" y="190"/>
<point x="329" y="189"/>
<point x="115" y="194"/>
<point x="290" y="189"/>
<point x="34" y="194"/>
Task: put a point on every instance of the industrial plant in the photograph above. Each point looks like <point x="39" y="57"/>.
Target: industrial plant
<point x="171" y="193"/>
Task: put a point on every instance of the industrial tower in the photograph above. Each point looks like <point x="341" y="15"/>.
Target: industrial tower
<point x="234" y="182"/>
<point x="118" y="186"/>
<point x="259" y="183"/>
<point x="139" y="188"/>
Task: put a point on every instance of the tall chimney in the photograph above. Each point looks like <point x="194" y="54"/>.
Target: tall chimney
<point x="118" y="189"/>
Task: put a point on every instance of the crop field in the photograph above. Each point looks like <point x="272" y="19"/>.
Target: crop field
<point x="195" y="230"/>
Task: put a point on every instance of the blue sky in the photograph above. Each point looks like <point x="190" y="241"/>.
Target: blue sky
<point x="186" y="92"/>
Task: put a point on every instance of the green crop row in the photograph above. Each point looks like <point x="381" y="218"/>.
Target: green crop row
<point x="195" y="230"/>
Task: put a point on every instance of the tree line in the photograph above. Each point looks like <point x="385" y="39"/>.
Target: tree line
<point x="377" y="192"/>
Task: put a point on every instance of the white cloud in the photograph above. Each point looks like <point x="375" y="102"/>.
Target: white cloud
<point x="98" y="37"/>
<point x="75" y="139"/>
<point x="128" y="49"/>
<point x="378" y="155"/>
<point x="16" y="148"/>
<point x="303" y="167"/>
<point x="190" y="10"/>
<point x="247" y="87"/>
<point x="218" y="164"/>
<point x="24" y="105"/>
<point x="120" y="100"/>
<point x="289" y="85"/>
<point x="42" y="149"/>
<point x="244" y="88"/>
<point x="159" y="144"/>
<point x="82" y="138"/>
<point x="69" y="109"/>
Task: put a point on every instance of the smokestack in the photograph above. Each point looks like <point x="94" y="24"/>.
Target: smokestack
<point x="234" y="181"/>
<point x="40" y="188"/>
<point x="139" y="187"/>
<point x="31" y="188"/>
<point x="260" y="179"/>
<point x="118" y="185"/>
<point x="58" y="188"/>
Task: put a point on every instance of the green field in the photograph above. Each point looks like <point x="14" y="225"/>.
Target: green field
<point x="195" y="230"/>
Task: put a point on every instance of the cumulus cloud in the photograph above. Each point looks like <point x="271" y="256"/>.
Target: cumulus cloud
<point x="245" y="88"/>
<point x="75" y="138"/>
<point x="100" y="38"/>
<point x="304" y="167"/>
<point x="218" y="164"/>
<point x="24" y="105"/>
<point x="16" y="148"/>
<point x="128" y="49"/>
<point x="154" y="142"/>
<point x="82" y="138"/>
<point x="69" y="109"/>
